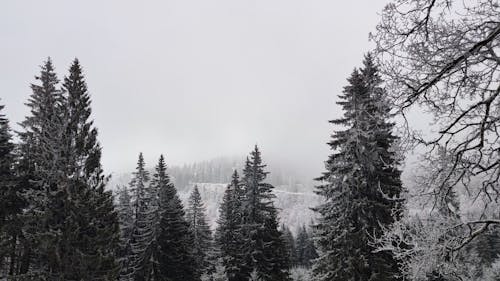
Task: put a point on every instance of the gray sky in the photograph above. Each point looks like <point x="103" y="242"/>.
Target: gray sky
<point x="195" y="79"/>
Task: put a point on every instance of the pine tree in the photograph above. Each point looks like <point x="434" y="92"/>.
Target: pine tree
<point x="11" y="204"/>
<point x="142" y="232"/>
<point x="70" y="229"/>
<point x="126" y="218"/>
<point x="361" y="185"/>
<point x="159" y="183"/>
<point x="102" y="255"/>
<point x="41" y="172"/>
<point x="175" y="258"/>
<point x="229" y="233"/>
<point x="91" y="228"/>
<point x="196" y="217"/>
<point x="265" y="248"/>
<point x="305" y="250"/>
<point x="290" y="245"/>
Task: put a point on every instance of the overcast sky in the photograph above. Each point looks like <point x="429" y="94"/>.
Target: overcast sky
<point x="195" y="79"/>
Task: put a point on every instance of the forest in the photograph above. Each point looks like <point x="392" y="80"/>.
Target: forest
<point x="60" y="220"/>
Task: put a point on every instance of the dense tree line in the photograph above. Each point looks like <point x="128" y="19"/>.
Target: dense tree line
<point x="58" y="222"/>
<point x="220" y="170"/>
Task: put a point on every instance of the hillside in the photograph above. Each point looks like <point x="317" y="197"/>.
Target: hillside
<point x="294" y="206"/>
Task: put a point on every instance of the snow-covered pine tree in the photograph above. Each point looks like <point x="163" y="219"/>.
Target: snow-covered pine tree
<point x="290" y="244"/>
<point x="91" y="228"/>
<point x="131" y="236"/>
<point x="361" y="185"/>
<point x="70" y="229"/>
<point x="195" y="215"/>
<point x="41" y="172"/>
<point x="265" y="248"/>
<point x="11" y="203"/>
<point x="174" y="258"/>
<point x="142" y="230"/>
<point x="159" y="183"/>
<point x="305" y="250"/>
<point x="126" y="218"/>
<point x="229" y="235"/>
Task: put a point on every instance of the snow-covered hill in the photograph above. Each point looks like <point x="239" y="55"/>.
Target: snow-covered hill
<point x="294" y="207"/>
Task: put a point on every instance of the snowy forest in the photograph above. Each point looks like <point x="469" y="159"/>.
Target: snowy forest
<point x="372" y="215"/>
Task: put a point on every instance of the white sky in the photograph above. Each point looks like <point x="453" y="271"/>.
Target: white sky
<point x="195" y="79"/>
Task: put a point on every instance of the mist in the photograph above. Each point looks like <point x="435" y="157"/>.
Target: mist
<point x="195" y="80"/>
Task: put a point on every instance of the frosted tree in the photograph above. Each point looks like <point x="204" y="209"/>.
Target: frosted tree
<point x="442" y="56"/>
<point x="70" y="229"/>
<point x="265" y="247"/>
<point x="196" y="217"/>
<point x="229" y="233"/>
<point x="91" y="225"/>
<point x="41" y="171"/>
<point x="430" y="242"/>
<point x="305" y="249"/>
<point x="175" y="259"/>
<point x="126" y="218"/>
<point x="361" y="185"/>
<point x="11" y="203"/>
<point x="142" y="231"/>
<point x="290" y="244"/>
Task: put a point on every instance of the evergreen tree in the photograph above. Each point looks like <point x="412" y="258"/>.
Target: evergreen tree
<point x="41" y="174"/>
<point x="305" y="250"/>
<point x="160" y="183"/>
<point x="290" y="245"/>
<point x="175" y="256"/>
<point x="265" y="247"/>
<point x="361" y="185"/>
<point x="11" y="203"/>
<point x="142" y="232"/>
<point x="126" y="218"/>
<point x="91" y="227"/>
<point x="101" y="258"/>
<point x="196" y="217"/>
<point x="229" y="234"/>
<point x="70" y="228"/>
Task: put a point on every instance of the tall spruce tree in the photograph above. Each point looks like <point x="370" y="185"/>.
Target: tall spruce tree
<point x="142" y="228"/>
<point x="290" y="245"/>
<point x="305" y="250"/>
<point x="126" y="218"/>
<point x="11" y="203"/>
<point x="229" y="233"/>
<point x="70" y="228"/>
<point x="196" y="217"/>
<point x="361" y="185"/>
<point x="265" y="247"/>
<point x="41" y="173"/>
<point x="91" y="231"/>
<point x="159" y="183"/>
<point x="175" y="258"/>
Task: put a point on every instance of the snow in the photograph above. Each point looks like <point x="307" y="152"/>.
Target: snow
<point x="295" y="207"/>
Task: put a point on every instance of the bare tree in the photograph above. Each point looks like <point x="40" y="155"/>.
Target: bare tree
<point x="433" y="240"/>
<point x="443" y="56"/>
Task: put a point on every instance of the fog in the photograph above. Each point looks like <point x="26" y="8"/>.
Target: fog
<point x="195" y="80"/>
